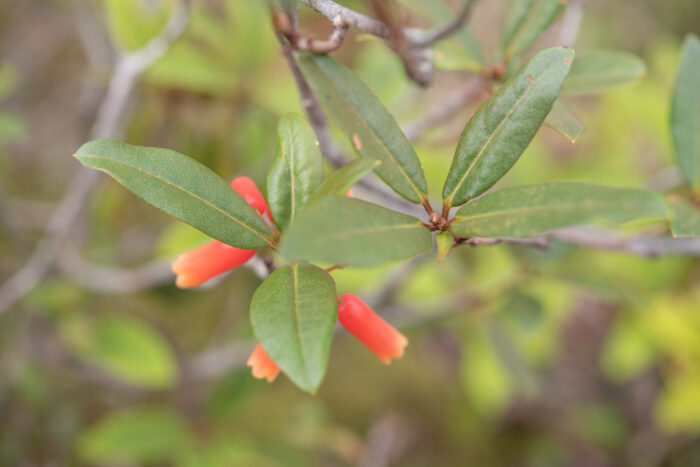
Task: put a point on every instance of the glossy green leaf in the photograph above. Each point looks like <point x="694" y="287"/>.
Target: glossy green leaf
<point x="444" y="242"/>
<point x="685" y="219"/>
<point x="562" y="119"/>
<point x="600" y="70"/>
<point x="296" y="170"/>
<point x="534" y="209"/>
<point x="293" y="313"/>
<point x="348" y="231"/>
<point x="129" y="351"/>
<point x="685" y="112"/>
<point x="182" y="187"/>
<point x="133" y="437"/>
<point x="527" y="20"/>
<point x="374" y="133"/>
<point x="504" y="125"/>
<point x="340" y="181"/>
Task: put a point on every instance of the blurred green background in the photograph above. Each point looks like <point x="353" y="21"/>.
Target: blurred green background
<point x="517" y="357"/>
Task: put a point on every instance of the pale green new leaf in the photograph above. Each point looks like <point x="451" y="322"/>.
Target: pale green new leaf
<point x="504" y="125"/>
<point x="295" y="172"/>
<point x="534" y="209"/>
<point x="182" y="187"/>
<point x="685" y="219"/>
<point x="562" y="119"/>
<point x="443" y="241"/>
<point x="599" y="70"/>
<point x="685" y="112"/>
<point x="340" y="181"/>
<point x="130" y="351"/>
<point x="374" y="133"/>
<point x="293" y="313"/>
<point x="340" y="230"/>
<point x="142" y="436"/>
<point x="526" y="21"/>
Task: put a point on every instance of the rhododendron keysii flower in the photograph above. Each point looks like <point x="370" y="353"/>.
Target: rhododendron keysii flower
<point x="262" y="365"/>
<point x="211" y="259"/>
<point x="378" y="335"/>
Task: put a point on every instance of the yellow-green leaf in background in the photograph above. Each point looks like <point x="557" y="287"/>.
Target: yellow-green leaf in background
<point x="137" y="436"/>
<point x="685" y="112"/>
<point x="599" y="70"/>
<point x="562" y="119"/>
<point x="126" y="349"/>
<point x="527" y="20"/>
<point x="685" y="219"/>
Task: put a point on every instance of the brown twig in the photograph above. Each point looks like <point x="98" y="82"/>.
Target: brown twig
<point x="109" y="120"/>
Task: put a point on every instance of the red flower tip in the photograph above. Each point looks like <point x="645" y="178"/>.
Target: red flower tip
<point x="262" y="365"/>
<point x="363" y="323"/>
<point x="246" y="187"/>
<point x="349" y="193"/>
<point x="211" y="259"/>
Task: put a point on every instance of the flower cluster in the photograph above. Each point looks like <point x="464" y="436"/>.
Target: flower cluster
<point x="201" y="264"/>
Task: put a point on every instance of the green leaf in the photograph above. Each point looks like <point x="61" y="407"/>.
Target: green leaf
<point x="340" y="181"/>
<point x="131" y="23"/>
<point x="182" y="187"/>
<point x="295" y="171"/>
<point x="374" y="133"/>
<point x="504" y="125"/>
<point x="685" y="112"/>
<point x="347" y="231"/>
<point x="562" y="119"/>
<point x="533" y="209"/>
<point x="135" y="436"/>
<point x="685" y="219"/>
<point x="444" y="242"/>
<point x="293" y="314"/>
<point x="599" y="70"/>
<point x="526" y="21"/>
<point x="129" y="351"/>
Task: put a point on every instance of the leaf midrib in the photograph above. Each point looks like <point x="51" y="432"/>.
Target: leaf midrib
<point x="547" y="208"/>
<point x="297" y="324"/>
<point x="167" y="182"/>
<point x="492" y="135"/>
<point x="381" y="142"/>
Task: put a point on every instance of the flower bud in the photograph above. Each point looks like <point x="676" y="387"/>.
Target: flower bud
<point x="246" y="187"/>
<point x="363" y="323"/>
<point x="209" y="260"/>
<point x="262" y="365"/>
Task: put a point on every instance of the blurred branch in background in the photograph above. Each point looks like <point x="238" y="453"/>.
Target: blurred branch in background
<point x="108" y="124"/>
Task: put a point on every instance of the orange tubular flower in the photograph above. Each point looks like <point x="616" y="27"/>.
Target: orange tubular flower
<point x="378" y="335"/>
<point x="211" y="259"/>
<point x="262" y="365"/>
<point x="246" y="187"/>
